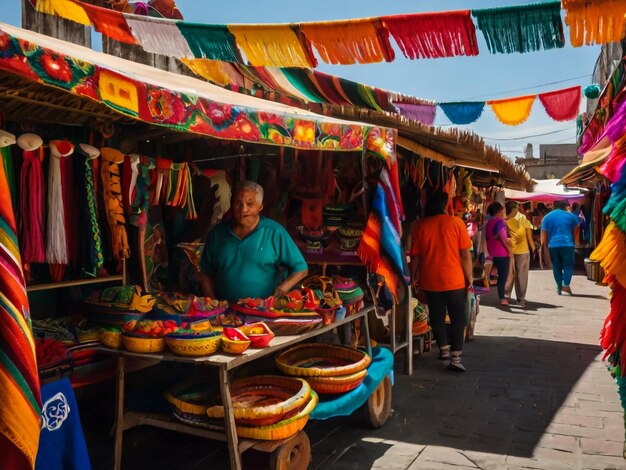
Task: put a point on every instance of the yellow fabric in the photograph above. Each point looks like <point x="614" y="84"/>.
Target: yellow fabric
<point x="112" y="195"/>
<point x="119" y="91"/>
<point x="517" y="227"/>
<point x="512" y="111"/>
<point x="346" y="42"/>
<point x="611" y="252"/>
<point x="45" y="6"/>
<point x="70" y="11"/>
<point x="271" y="45"/>
<point x="215" y="71"/>
<point x="597" y="22"/>
<point x="18" y="422"/>
<point x="20" y="320"/>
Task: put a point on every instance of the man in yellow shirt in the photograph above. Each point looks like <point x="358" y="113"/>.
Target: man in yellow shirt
<point x="523" y="244"/>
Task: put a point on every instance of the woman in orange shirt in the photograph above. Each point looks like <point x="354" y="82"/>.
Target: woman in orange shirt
<point x="441" y="265"/>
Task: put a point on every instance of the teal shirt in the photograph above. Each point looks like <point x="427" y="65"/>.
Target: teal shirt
<point x="249" y="267"/>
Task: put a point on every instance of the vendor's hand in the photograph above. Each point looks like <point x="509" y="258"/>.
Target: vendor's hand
<point x="278" y="292"/>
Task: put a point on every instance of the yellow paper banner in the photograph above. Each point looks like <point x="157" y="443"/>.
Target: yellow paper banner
<point x="65" y="9"/>
<point x="215" y="71"/>
<point x="512" y="111"/>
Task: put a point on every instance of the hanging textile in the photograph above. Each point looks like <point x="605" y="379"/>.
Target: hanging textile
<point x="512" y="111"/>
<point x="9" y="171"/>
<point x="159" y="36"/>
<point x="521" y="28"/>
<point x="32" y="197"/>
<point x="56" y="235"/>
<point x="219" y="72"/>
<point x="463" y="112"/>
<point x="361" y="41"/>
<point x="424" y="113"/>
<point x="19" y="383"/>
<point x="433" y="35"/>
<point x="210" y="41"/>
<point x="292" y="81"/>
<point x="597" y="22"/>
<point x="611" y="251"/>
<point x="272" y="45"/>
<point x="112" y="194"/>
<point x="91" y="257"/>
<point x="615" y="208"/>
<point x="562" y="105"/>
<point x="67" y="9"/>
<point x="110" y="23"/>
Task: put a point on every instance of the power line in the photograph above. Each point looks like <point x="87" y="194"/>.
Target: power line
<point x="528" y="136"/>
<point x="527" y="88"/>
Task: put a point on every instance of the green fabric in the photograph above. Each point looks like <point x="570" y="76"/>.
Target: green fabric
<point x="210" y="41"/>
<point x="249" y="267"/>
<point x="299" y="79"/>
<point x="521" y="28"/>
<point x="366" y="93"/>
<point x="9" y="170"/>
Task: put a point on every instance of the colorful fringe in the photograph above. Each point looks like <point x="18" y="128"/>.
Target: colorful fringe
<point x="159" y="36"/>
<point x="521" y="28"/>
<point x="463" y="112"/>
<point x="111" y="23"/>
<point x="32" y="200"/>
<point x="597" y="22"/>
<point x="512" y="111"/>
<point x="613" y="334"/>
<point x="214" y="42"/>
<point x="615" y="208"/>
<point x="180" y="191"/>
<point x="361" y="41"/>
<point x="611" y="251"/>
<point x="112" y="194"/>
<point x="433" y="35"/>
<point x="273" y="45"/>
<point x="219" y="72"/>
<point x="562" y="105"/>
<point x="19" y="383"/>
<point x="56" y="242"/>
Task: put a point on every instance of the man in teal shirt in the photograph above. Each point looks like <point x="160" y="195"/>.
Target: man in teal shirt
<point x="250" y="255"/>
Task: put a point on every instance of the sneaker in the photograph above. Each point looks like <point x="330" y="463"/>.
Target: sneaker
<point x="456" y="365"/>
<point x="567" y="289"/>
<point x="444" y="354"/>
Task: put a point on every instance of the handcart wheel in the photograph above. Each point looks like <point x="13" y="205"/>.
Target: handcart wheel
<point x="379" y="403"/>
<point x="295" y="454"/>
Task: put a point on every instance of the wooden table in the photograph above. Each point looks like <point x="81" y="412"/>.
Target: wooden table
<point x="225" y="363"/>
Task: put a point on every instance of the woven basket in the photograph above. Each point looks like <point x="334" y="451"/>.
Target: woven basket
<point x="290" y="327"/>
<point x="321" y="360"/>
<point x="264" y="396"/>
<point x="190" y="399"/>
<point x="111" y="339"/>
<point x="142" y="344"/>
<point x="334" y="385"/>
<point x="194" y="346"/>
<point x="283" y="429"/>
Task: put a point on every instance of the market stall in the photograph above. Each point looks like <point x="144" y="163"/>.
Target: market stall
<point x="125" y="117"/>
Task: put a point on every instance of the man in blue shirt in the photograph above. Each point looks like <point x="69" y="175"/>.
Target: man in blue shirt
<point x="557" y="233"/>
<point x="250" y="255"/>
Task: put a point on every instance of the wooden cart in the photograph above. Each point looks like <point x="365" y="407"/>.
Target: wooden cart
<point x="292" y="453"/>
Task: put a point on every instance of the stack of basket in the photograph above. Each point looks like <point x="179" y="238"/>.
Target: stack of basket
<point x="328" y="368"/>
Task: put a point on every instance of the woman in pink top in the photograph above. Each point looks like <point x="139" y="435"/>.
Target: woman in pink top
<point x="499" y="246"/>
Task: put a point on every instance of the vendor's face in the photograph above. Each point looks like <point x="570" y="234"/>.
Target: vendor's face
<point x="246" y="207"/>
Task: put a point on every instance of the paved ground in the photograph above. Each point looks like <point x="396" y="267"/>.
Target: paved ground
<point x="535" y="396"/>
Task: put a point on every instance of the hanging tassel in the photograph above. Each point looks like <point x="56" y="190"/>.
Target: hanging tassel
<point x="272" y="46"/>
<point x="461" y="113"/>
<point x="210" y="41"/>
<point x="362" y="41"/>
<point x="597" y="22"/>
<point x="562" y="105"/>
<point x="56" y="243"/>
<point x="433" y="35"/>
<point x="611" y="251"/>
<point x="521" y="28"/>
<point x="112" y="194"/>
<point x="512" y="111"/>
<point x="32" y="190"/>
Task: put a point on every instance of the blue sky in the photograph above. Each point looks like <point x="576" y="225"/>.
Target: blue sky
<point x="459" y="78"/>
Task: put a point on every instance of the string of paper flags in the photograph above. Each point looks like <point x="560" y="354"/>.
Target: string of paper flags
<point x="521" y="28"/>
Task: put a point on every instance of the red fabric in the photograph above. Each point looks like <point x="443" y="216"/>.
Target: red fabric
<point x="613" y="334"/>
<point x="111" y="23"/>
<point x="432" y="35"/>
<point x="562" y="105"/>
<point x="32" y="198"/>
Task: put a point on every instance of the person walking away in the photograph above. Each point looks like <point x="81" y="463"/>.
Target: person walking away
<point x="499" y="247"/>
<point x="441" y="265"/>
<point x="522" y="245"/>
<point x="557" y="234"/>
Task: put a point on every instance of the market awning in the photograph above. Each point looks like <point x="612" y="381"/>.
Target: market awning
<point x="586" y="171"/>
<point x="546" y="191"/>
<point x="475" y="165"/>
<point x="166" y="99"/>
<point x="425" y="151"/>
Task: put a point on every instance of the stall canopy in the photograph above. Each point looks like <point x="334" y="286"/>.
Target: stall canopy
<point x="166" y="99"/>
<point x="545" y="191"/>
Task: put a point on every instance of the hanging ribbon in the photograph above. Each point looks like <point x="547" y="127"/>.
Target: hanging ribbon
<point x="461" y="113"/>
<point x="424" y="113"/>
<point x="597" y="22"/>
<point x="56" y="241"/>
<point x="110" y="23"/>
<point x="562" y="105"/>
<point x="360" y="41"/>
<point x="159" y="36"/>
<point x="272" y="45"/>
<point x="208" y="41"/>
<point x="512" y="111"/>
<point x="433" y="35"/>
<point x="521" y="28"/>
<point x="32" y="190"/>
